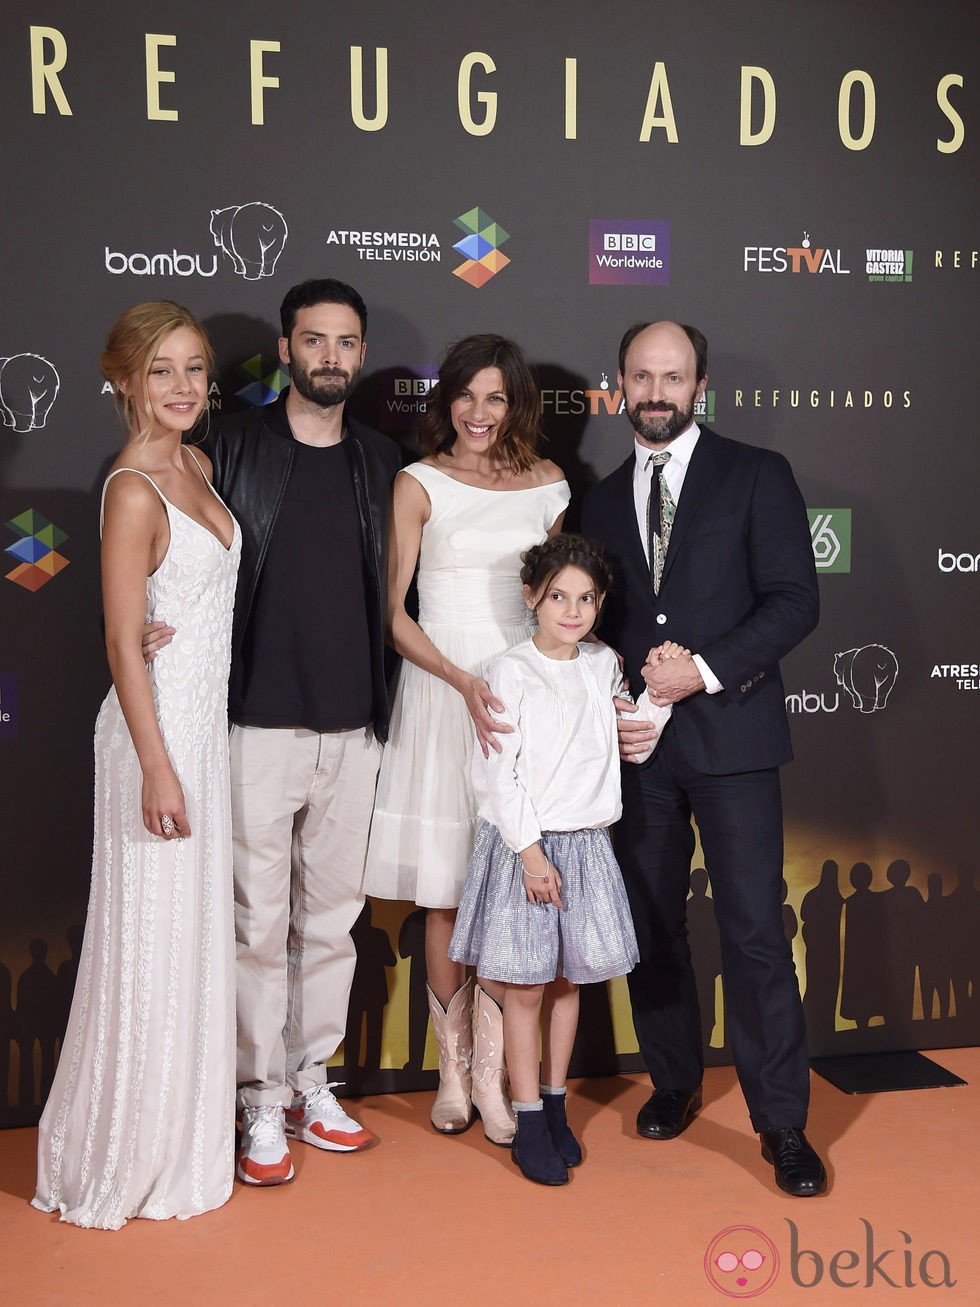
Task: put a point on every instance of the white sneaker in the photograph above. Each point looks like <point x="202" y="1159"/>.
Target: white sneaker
<point x="264" y="1157"/>
<point x="317" y="1118"/>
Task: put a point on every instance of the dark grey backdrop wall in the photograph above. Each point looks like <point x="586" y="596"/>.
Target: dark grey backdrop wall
<point x="799" y="180"/>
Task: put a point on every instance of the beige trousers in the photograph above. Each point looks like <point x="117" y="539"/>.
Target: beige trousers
<point x="301" y="811"/>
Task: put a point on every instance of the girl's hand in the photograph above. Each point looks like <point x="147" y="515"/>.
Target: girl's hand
<point x="479" y="699"/>
<point x="541" y="879"/>
<point x="164" y="813"/>
<point x="669" y="649"/>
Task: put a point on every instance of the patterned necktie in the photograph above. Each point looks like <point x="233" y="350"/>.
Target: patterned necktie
<point x="660" y="516"/>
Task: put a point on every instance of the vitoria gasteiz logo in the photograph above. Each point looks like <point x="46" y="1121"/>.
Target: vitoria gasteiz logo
<point x="830" y="531"/>
<point x="888" y="265"/>
<point x="36" y="550"/>
<point x="704" y="408"/>
<point x="629" y="252"/>
<point x="480" y="248"/>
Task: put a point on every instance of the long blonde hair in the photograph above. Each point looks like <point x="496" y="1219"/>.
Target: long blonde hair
<point x="129" y="352"/>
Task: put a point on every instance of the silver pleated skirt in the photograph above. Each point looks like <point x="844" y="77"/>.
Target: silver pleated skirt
<point x="507" y="938"/>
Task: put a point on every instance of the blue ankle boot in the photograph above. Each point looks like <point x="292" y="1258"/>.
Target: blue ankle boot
<point x="534" y="1152"/>
<point x="566" y="1145"/>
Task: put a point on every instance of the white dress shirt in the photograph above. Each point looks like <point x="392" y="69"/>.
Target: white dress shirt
<point x="675" y="470"/>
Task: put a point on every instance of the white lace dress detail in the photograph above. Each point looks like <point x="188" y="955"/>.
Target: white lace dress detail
<point x="140" y="1119"/>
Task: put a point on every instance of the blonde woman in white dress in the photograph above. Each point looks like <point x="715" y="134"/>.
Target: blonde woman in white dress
<point x="462" y="516"/>
<point x="140" y="1118"/>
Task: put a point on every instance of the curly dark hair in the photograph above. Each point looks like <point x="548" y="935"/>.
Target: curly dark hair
<point x="543" y="562"/>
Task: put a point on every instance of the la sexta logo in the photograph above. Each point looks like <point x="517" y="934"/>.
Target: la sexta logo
<point x="29" y="385"/>
<point x="251" y="235"/>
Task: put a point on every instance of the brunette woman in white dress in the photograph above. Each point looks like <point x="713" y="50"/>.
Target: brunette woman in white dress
<point x="462" y="516"/>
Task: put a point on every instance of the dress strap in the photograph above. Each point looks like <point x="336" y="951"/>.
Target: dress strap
<point x="163" y="498"/>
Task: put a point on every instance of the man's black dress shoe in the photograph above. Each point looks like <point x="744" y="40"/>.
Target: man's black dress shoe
<point x="799" y="1171"/>
<point x="668" y="1112"/>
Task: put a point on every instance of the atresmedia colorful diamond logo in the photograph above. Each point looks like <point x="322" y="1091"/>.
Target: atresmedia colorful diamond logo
<point x="266" y="380"/>
<point x="480" y="248"/>
<point x="36" y="549"/>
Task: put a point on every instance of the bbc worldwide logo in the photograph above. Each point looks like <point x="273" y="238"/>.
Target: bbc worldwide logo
<point x="830" y="531"/>
<point x="629" y="252"/>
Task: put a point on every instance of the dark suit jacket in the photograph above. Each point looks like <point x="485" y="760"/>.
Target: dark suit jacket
<point x="739" y="588"/>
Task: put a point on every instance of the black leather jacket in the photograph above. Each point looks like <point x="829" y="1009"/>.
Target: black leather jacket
<point x="253" y="454"/>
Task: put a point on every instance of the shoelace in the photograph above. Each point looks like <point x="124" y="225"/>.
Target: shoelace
<point x="267" y="1125"/>
<point x="323" y="1099"/>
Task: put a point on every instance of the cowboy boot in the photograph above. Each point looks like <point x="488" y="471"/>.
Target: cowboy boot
<point x="490" y="1097"/>
<point x="452" y="1112"/>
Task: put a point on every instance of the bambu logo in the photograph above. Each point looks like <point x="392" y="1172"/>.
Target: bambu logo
<point x="29" y="385"/>
<point x="868" y="674"/>
<point x="480" y="248"/>
<point x="251" y="235"/>
<point x="629" y="252"/>
<point x="804" y="257"/>
<point x="830" y="531"/>
<point x="888" y="265"/>
<point x="36" y="550"/>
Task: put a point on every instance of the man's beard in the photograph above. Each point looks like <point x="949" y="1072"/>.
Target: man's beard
<point x="659" y="430"/>
<point x="326" y="387"/>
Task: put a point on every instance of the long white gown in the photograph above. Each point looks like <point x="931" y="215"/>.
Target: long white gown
<point x="472" y="608"/>
<point x="140" y="1119"/>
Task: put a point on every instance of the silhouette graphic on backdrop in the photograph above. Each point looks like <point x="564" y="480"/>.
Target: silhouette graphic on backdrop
<point x="934" y="964"/>
<point x="36" y="1023"/>
<point x="964" y="910"/>
<point x="862" y="982"/>
<point x="6" y="1033"/>
<point x="901" y="927"/>
<point x="411" y="945"/>
<point x="67" y="973"/>
<point x="368" y="997"/>
<point x="820" y="912"/>
<point x="705" y="944"/>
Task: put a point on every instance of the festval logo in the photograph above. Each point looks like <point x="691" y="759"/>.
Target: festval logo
<point x="36" y="549"/>
<point x="704" y="408"/>
<point x="29" y="385"/>
<point x="830" y="531"/>
<point x="265" y="380"/>
<point x="868" y="674"/>
<point x="251" y="235"/>
<point x="629" y="252"/>
<point x="480" y="248"/>
<point x="888" y="265"/>
<point x="741" y="1262"/>
<point x="804" y="257"/>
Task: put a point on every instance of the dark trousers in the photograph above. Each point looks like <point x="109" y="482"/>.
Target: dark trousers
<point x="739" y="818"/>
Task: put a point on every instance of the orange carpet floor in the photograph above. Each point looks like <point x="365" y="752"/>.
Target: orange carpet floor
<point x="421" y="1219"/>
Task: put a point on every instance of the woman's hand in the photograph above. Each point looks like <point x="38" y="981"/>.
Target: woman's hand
<point x="479" y="700"/>
<point x="164" y="813"/>
<point x="156" y="636"/>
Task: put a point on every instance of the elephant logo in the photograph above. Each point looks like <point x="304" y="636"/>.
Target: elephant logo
<point x="29" y="385"/>
<point x="252" y="235"/>
<point x="868" y="674"/>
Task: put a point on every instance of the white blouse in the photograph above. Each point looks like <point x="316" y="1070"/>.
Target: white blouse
<point x="558" y="770"/>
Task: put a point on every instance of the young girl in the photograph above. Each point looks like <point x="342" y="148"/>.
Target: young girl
<point x="543" y="907"/>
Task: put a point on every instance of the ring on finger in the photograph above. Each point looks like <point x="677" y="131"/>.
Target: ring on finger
<point x="167" y="824"/>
